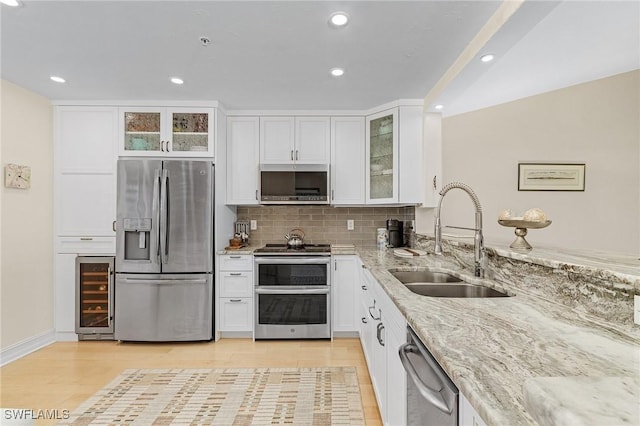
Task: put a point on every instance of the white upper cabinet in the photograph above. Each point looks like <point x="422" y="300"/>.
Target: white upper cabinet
<point x="347" y="160"/>
<point x="243" y="142"/>
<point x="85" y="164"/>
<point x="312" y="140"/>
<point x="85" y="139"/>
<point x="394" y="156"/>
<point x="290" y="140"/>
<point x="174" y="132"/>
<point x="382" y="157"/>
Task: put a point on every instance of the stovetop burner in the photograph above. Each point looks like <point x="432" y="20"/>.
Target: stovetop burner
<point x="276" y="249"/>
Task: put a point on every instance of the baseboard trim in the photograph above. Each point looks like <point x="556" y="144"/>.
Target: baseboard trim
<point x="66" y="336"/>
<point x="27" y="346"/>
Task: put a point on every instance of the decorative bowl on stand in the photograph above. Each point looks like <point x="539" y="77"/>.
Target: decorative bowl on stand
<point x="520" y="244"/>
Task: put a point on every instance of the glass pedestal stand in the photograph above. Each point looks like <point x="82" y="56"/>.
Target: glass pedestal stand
<point x="520" y="244"/>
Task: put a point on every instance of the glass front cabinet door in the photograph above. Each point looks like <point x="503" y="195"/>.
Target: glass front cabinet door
<point x="382" y="157"/>
<point x="175" y="132"/>
<point x="94" y="297"/>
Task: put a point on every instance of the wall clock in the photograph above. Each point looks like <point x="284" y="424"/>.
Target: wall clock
<point x="17" y="176"/>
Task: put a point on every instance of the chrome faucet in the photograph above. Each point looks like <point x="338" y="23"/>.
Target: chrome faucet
<point x="478" y="240"/>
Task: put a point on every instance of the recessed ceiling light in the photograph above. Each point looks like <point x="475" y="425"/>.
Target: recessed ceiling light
<point x="57" y="79"/>
<point x="337" y="72"/>
<point x="12" y="3"/>
<point x="487" y="58"/>
<point x="439" y="106"/>
<point x="176" y="80"/>
<point x="338" y="19"/>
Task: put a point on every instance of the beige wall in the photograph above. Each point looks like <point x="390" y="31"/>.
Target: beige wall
<point x="26" y="261"/>
<point x="596" y="123"/>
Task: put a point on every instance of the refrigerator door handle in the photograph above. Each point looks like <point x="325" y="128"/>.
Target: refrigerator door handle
<point x="156" y="207"/>
<point x="159" y="281"/>
<point x="164" y="217"/>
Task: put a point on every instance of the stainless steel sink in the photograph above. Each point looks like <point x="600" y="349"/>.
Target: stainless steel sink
<point x="407" y="277"/>
<point x="442" y="284"/>
<point x="454" y="290"/>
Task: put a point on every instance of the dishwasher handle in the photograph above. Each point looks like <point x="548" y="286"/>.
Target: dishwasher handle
<point x="431" y="395"/>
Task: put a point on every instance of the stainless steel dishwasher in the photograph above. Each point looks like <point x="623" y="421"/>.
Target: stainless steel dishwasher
<point x="432" y="398"/>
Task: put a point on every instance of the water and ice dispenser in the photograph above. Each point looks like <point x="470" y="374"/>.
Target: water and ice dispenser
<point x="137" y="238"/>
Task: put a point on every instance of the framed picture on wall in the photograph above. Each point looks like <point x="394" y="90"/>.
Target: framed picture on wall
<point x="551" y="177"/>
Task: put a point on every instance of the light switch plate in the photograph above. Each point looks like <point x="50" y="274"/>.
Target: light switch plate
<point x="350" y="225"/>
<point x="254" y="225"/>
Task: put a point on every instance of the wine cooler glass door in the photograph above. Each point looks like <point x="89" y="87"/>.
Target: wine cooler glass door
<point x="94" y="297"/>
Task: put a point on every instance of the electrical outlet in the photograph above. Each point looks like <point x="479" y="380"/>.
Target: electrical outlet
<point x="254" y="225"/>
<point x="350" y="225"/>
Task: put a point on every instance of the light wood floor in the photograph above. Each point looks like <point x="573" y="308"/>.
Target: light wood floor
<point x="64" y="374"/>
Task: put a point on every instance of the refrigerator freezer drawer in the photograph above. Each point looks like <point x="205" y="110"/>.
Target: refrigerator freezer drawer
<point x="163" y="308"/>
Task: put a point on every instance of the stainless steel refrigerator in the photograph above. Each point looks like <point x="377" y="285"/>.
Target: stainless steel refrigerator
<point x="164" y="250"/>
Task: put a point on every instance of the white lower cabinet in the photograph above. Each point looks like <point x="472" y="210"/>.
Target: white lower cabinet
<point x="235" y="293"/>
<point x="345" y="282"/>
<point x="382" y="332"/>
<point x="236" y="314"/>
<point x="467" y="415"/>
<point x="65" y="295"/>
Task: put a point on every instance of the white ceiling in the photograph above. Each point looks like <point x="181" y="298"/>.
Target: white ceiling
<point x="277" y="54"/>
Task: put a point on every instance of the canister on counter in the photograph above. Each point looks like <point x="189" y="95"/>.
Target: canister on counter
<point x="382" y="238"/>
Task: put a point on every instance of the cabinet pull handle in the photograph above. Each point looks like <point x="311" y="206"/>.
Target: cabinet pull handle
<point x="379" y="329"/>
<point x="86" y="239"/>
<point x="113" y="226"/>
<point x="296" y="155"/>
<point x="333" y="195"/>
<point x="364" y="320"/>
<point x="256" y="194"/>
<point x="234" y="257"/>
<point x="364" y="287"/>
<point x="235" y="300"/>
<point x="434" y="182"/>
<point x="168" y="146"/>
<point x="335" y="265"/>
<point x="373" y="307"/>
<point x="162" y="146"/>
<point x="235" y="274"/>
<point x="363" y="267"/>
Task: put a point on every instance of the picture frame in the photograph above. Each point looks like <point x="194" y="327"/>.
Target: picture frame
<point x="551" y="176"/>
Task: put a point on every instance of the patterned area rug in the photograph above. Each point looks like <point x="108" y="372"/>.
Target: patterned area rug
<point x="230" y="396"/>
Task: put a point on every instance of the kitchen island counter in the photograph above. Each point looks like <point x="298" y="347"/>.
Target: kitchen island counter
<point x="491" y="346"/>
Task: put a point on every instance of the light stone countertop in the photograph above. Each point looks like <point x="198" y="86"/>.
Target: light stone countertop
<point x="490" y="347"/>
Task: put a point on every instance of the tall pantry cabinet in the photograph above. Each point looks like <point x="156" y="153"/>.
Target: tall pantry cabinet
<point x="84" y="198"/>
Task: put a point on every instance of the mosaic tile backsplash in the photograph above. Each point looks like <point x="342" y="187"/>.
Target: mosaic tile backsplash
<point x="322" y="224"/>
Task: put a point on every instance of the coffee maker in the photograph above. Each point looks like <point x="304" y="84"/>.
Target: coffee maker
<point x="396" y="233"/>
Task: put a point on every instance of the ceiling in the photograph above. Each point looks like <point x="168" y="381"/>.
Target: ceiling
<point x="277" y="54"/>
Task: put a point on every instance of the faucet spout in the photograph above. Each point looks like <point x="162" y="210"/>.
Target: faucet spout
<point x="478" y="239"/>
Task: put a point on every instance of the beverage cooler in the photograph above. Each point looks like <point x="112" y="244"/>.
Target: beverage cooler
<point x="94" y="297"/>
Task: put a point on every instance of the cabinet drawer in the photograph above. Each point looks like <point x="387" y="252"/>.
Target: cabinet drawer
<point x="86" y="245"/>
<point x="236" y="314"/>
<point x="236" y="284"/>
<point x="236" y="262"/>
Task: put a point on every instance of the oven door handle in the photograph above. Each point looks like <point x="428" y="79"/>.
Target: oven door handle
<point x="292" y="260"/>
<point x="293" y="290"/>
<point x="432" y="396"/>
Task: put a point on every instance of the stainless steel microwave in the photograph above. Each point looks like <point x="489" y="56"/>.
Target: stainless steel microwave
<point x="294" y="184"/>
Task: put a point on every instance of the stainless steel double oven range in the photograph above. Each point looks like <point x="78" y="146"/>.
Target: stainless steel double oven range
<point x="293" y="292"/>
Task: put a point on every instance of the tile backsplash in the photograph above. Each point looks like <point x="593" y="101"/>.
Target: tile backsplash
<point x="322" y="224"/>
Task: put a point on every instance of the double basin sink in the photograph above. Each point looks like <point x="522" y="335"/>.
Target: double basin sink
<point x="432" y="283"/>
